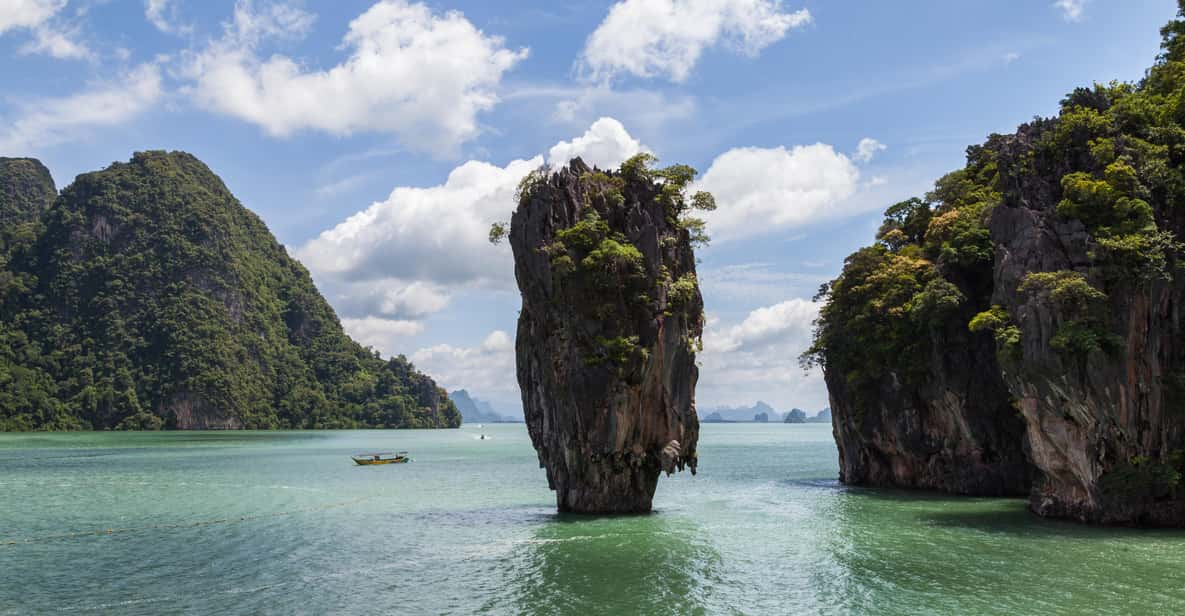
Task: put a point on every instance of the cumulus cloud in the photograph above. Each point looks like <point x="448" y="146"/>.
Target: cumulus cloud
<point x="757" y="358"/>
<point x="867" y="149"/>
<point x="40" y="18"/>
<point x="383" y="335"/>
<point x="46" y="122"/>
<point x="651" y="38"/>
<point x="1071" y="9"/>
<point x="606" y="144"/>
<point x="413" y="73"/>
<point x="372" y="264"/>
<point x="487" y="368"/>
<point x="785" y="324"/>
<point x="451" y="221"/>
<point x="782" y="188"/>
<point x="389" y="298"/>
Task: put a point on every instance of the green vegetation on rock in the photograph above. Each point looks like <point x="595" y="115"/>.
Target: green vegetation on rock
<point x="150" y="298"/>
<point x="1115" y="152"/>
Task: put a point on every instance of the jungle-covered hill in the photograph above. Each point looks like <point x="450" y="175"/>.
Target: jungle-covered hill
<point x="146" y="296"/>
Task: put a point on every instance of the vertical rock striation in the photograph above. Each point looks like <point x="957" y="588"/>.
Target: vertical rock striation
<point x="1100" y="386"/>
<point x="611" y="320"/>
<point x="1062" y="241"/>
<point x="954" y="429"/>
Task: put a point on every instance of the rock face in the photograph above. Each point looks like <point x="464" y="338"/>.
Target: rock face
<point x="611" y="319"/>
<point x="952" y="430"/>
<point x="1105" y="426"/>
<point x="1031" y="304"/>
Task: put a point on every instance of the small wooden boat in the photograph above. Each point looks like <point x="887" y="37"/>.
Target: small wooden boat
<point x="367" y="459"/>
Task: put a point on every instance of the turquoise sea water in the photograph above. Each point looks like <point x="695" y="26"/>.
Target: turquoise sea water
<point x="284" y="523"/>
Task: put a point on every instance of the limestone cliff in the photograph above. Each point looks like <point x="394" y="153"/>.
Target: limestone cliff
<point x="1039" y="288"/>
<point x="611" y="319"/>
<point x="951" y="428"/>
<point x="1099" y="384"/>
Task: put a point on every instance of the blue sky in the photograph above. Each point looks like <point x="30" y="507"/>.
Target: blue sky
<point x="378" y="139"/>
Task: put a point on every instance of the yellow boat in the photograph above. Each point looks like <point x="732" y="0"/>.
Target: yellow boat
<point x="367" y="459"/>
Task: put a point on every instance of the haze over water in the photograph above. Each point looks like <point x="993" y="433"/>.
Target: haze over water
<point x="253" y="522"/>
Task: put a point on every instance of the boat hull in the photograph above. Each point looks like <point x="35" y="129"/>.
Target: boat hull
<point x="374" y="462"/>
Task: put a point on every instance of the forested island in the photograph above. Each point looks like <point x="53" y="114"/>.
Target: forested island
<point x="1018" y="330"/>
<point x="145" y="296"/>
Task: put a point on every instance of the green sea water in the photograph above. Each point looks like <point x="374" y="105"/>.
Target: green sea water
<point x="285" y="523"/>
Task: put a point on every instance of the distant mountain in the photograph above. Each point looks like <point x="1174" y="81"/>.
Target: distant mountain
<point x="796" y="416"/>
<point x="760" y="412"/>
<point x="475" y="410"/>
<point x="741" y="413"/>
<point x="823" y="416"/>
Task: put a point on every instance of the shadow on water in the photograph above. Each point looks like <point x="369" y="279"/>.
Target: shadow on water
<point x="645" y="564"/>
<point x="907" y="552"/>
<point x="1022" y="522"/>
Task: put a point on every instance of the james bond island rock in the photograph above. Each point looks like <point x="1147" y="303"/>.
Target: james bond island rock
<point x="610" y="324"/>
<point x="148" y="297"/>
<point x="1058" y="249"/>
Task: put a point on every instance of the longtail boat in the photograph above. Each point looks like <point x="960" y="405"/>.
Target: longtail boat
<point x="367" y="459"/>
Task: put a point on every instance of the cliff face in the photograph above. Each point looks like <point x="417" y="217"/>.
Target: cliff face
<point x="1030" y="304"/>
<point x="149" y="297"/>
<point x="1106" y="419"/>
<point x="952" y="428"/>
<point x="610" y="322"/>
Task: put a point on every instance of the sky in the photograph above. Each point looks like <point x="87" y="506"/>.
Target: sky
<point x="379" y="139"/>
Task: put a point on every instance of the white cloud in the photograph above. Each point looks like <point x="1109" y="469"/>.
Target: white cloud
<point x="606" y="144"/>
<point x="384" y="335"/>
<point x="372" y="263"/>
<point x="421" y="76"/>
<point x="650" y="38"/>
<point x="57" y="43"/>
<point x="450" y="221"/>
<point x="50" y="37"/>
<point x="162" y="14"/>
<point x="487" y="368"/>
<point x="760" y="190"/>
<point x="27" y="13"/>
<point x="867" y="149"/>
<point x="389" y="298"/>
<point x="757" y="283"/>
<point x="47" y="122"/>
<point x="757" y="359"/>
<point x="1072" y="10"/>
<point x="786" y="325"/>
